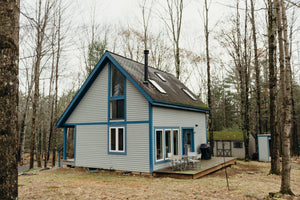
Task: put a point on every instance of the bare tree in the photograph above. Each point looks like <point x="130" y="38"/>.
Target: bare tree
<point x="9" y="59"/>
<point x="287" y="108"/>
<point x="275" y="165"/>
<point x="209" y="96"/>
<point x="146" y="9"/>
<point x="174" y="22"/>
<point x="257" y="75"/>
<point x="40" y="26"/>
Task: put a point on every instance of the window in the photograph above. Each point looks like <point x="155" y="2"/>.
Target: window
<point x="155" y="84"/>
<point x="160" y="76"/>
<point x="237" y="145"/>
<point x="159" y="145"/>
<point x="189" y="94"/>
<point x="117" y="94"/>
<point x="175" y="142"/>
<point x="116" y="139"/>
<point x="117" y="82"/>
<point x="117" y="109"/>
<point x="168" y="143"/>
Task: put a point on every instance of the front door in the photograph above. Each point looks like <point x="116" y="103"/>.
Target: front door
<point x="187" y="140"/>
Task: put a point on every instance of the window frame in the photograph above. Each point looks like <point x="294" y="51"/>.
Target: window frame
<point x="237" y="144"/>
<point x="164" y="151"/>
<point x="117" y="151"/>
<point x="111" y="98"/>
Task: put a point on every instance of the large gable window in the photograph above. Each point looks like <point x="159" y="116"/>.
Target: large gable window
<point x="117" y="83"/>
<point x="117" y="94"/>
<point x="116" y="139"/>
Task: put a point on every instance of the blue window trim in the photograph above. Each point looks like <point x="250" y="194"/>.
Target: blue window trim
<point x="125" y="139"/>
<point x="192" y="138"/>
<point x="164" y="128"/>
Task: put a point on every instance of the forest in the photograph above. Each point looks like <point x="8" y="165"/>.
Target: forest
<point x="243" y="62"/>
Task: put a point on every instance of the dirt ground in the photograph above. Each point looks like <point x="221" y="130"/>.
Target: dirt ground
<point x="246" y="181"/>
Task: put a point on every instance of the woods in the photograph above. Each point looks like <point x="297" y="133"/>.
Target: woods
<point x="245" y="64"/>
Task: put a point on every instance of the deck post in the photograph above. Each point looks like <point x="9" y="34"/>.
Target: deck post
<point x="65" y="143"/>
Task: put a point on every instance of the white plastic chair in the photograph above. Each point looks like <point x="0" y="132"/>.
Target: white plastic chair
<point x="194" y="159"/>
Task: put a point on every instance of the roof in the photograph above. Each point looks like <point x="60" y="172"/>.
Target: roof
<point x="174" y="96"/>
<point x="173" y="87"/>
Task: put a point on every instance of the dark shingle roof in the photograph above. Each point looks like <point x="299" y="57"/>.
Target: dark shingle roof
<point x="172" y="86"/>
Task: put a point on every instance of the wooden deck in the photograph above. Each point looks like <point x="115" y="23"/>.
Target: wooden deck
<point x="68" y="162"/>
<point x="207" y="167"/>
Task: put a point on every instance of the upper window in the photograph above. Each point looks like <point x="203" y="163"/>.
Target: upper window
<point x="117" y="82"/>
<point x="116" y="139"/>
<point x="160" y="76"/>
<point x="117" y="94"/>
<point x="189" y="94"/>
<point x="117" y="109"/>
<point x="155" y="84"/>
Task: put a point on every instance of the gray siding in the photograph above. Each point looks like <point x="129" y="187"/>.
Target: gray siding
<point x="91" y="148"/>
<point x="93" y="106"/>
<point x="165" y="117"/>
<point x="137" y="104"/>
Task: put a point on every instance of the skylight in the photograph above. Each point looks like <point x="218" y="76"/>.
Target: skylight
<point x="155" y="84"/>
<point x="189" y="94"/>
<point x="160" y="76"/>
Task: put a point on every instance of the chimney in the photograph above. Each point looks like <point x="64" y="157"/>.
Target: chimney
<point x="146" y="52"/>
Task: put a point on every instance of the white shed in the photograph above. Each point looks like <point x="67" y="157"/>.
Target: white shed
<point x="264" y="144"/>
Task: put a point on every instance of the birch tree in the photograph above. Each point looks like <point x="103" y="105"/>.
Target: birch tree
<point x="9" y="68"/>
<point x="275" y="165"/>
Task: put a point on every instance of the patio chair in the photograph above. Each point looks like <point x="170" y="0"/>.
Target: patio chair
<point x="194" y="159"/>
<point x="176" y="162"/>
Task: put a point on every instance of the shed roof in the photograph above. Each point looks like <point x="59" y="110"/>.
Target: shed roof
<point x="174" y="96"/>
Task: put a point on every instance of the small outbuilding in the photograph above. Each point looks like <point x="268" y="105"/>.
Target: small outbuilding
<point x="264" y="146"/>
<point x="130" y="117"/>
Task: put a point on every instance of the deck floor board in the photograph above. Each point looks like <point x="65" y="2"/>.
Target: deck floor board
<point x="206" y="167"/>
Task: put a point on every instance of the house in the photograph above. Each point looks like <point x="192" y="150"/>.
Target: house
<point x="128" y="116"/>
<point x="232" y="145"/>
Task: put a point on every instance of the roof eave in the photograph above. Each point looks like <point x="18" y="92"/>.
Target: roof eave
<point x="180" y="106"/>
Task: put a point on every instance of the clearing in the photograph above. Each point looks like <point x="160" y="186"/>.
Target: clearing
<point x="246" y="181"/>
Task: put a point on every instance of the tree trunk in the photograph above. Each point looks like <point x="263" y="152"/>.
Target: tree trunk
<point x="287" y="109"/>
<point x="257" y="76"/>
<point x="9" y="59"/>
<point x="40" y="28"/>
<point x="275" y="165"/>
<point x="209" y="100"/>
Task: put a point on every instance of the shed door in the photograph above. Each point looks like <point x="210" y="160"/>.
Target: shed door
<point x="224" y="148"/>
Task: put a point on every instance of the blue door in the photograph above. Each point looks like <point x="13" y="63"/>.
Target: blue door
<point x="187" y="140"/>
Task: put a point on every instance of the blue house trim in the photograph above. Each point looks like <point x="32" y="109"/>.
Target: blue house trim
<point x="75" y="135"/>
<point x="179" y="106"/>
<point x="65" y="144"/>
<point x="150" y="138"/>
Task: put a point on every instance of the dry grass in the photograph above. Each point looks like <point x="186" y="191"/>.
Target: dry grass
<point x="247" y="181"/>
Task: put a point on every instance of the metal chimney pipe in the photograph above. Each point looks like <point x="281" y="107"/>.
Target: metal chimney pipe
<point x="146" y="52"/>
